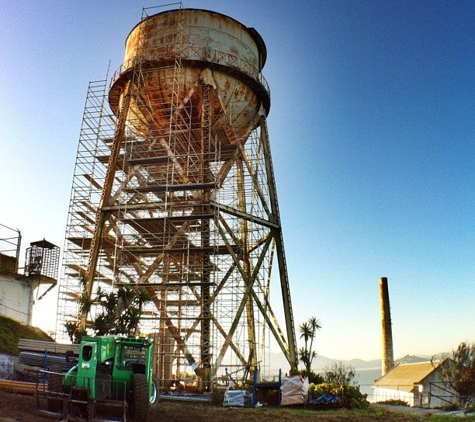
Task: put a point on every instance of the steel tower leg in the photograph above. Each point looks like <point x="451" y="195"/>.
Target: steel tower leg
<point x="284" y="278"/>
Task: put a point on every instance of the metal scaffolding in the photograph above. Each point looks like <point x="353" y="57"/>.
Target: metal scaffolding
<point x="171" y="195"/>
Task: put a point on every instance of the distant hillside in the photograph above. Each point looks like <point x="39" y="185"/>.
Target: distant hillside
<point x="364" y="364"/>
<point x="410" y="359"/>
<point x="278" y="361"/>
<point x="11" y="331"/>
<point x="322" y="362"/>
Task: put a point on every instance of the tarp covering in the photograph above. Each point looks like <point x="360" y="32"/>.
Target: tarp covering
<point x="237" y="398"/>
<point x="294" y="390"/>
<point x="6" y="366"/>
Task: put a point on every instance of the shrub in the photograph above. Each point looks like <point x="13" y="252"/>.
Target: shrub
<point x="312" y="377"/>
<point x="394" y="402"/>
<point x="450" y="407"/>
<point x="351" y="396"/>
<point x="338" y="372"/>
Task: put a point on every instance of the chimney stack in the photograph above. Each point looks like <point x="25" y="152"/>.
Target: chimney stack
<point x="386" y="331"/>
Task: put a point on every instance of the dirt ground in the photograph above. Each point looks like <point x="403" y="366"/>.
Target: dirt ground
<point x="22" y="408"/>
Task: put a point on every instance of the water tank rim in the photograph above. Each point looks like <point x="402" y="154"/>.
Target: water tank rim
<point x="252" y="31"/>
<point x="261" y="90"/>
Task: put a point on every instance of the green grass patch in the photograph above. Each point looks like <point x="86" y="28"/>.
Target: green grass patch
<point x="11" y="331"/>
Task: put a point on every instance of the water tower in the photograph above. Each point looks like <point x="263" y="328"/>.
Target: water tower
<point x="174" y="193"/>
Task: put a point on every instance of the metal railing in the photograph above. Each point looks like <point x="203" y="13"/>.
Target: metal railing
<point x="166" y="53"/>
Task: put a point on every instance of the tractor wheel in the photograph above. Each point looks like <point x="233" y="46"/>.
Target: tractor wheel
<point x="139" y="398"/>
<point x="154" y="392"/>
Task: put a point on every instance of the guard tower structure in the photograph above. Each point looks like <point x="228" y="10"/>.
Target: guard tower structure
<point x="174" y="195"/>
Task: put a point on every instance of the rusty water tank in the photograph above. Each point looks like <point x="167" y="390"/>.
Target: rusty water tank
<point x="204" y="45"/>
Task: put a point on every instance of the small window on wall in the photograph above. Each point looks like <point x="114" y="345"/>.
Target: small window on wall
<point x="87" y="353"/>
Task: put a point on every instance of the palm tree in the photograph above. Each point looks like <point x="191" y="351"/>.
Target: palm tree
<point x="85" y="304"/>
<point x="315" y="325"/>
<point x="105" y="321"/>
<point x="125" y="296"/>
<point x="121" y="310"/>
<point x="142" y="296"/>
<point x="308" y="331"/>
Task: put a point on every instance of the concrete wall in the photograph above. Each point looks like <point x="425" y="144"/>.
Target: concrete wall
<point x="15" y="298"/>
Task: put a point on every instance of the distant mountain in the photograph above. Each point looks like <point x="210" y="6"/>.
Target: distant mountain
<point x="441" y="356"/>
<point x="278" y="361"/>
<point x="364" y="364"/>
<point x="410" y="359"/>
<point x="321" y="362"/>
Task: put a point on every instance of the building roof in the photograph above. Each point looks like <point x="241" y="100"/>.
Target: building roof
<point x="404" y="377"/>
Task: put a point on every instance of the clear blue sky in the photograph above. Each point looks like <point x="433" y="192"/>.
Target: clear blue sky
<point x="372" y="129"/>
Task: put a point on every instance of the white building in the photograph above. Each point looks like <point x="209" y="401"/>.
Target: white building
<point x="16" y="297"/>
<point x="18" y="291"/>
<point x="418" y="384"/>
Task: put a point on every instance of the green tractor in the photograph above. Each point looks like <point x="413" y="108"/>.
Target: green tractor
<point x="112" y="377"/>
